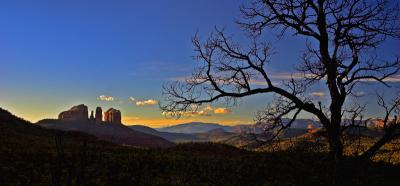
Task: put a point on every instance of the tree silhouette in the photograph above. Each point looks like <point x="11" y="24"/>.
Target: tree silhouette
<point x="341" y="38"/>
<point x="391" y="124"/>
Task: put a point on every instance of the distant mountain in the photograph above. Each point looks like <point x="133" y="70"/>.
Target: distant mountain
<point x="199" y="127"/>
<point x="213" y="135"/>
<point x="220" y="135"/>
<point x="194" y="127"/>
<point x="116" y="133"/>
<point x="302" y="123"/>
<point x="240" y="129"/>
<point x="174" y="137"/>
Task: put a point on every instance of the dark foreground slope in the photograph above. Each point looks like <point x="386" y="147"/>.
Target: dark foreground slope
<point x="31" y="155"/>
<point x="115" y="133"/>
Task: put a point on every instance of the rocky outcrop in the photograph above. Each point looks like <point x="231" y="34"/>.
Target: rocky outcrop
<point x="378" y="123"/>
<point x="80" y="113"/>
<point x="91" y="118"/>
<point x="99" y="115"/>
<point x="76" y="113"/>
<point x="112" y="116"/>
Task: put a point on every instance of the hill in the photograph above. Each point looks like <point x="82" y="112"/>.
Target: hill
<point x="200" y="127"/>
<point x="238" y="136"/>
<point x="115" y="133"/>
<point x="33" y="155"/>
<point x="214" y="135"/>
<point x="15" y="128"/>
<point x="170" y="136"/>
<point x="194" y="127"/>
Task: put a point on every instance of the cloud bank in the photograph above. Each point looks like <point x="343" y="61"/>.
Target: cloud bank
<point x="205" y="111"/>
<point x="317" y="94"/>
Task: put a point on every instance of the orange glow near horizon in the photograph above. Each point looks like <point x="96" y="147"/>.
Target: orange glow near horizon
<point x="164" y="122"/>
<point x="34" y="115"/>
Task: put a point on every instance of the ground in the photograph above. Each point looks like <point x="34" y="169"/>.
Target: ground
<point x="31" y="155"/>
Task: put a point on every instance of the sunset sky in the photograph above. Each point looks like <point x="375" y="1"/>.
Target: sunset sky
<point x="57" y="54"/>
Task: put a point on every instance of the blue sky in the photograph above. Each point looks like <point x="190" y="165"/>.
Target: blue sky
<point x="56" y="54"/>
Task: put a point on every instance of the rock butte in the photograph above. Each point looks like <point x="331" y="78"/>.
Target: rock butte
<point x="80" y="113"/>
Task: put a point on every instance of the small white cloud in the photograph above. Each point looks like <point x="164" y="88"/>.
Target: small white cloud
<point x="197" y="113"/>
<point x="317" y="94"/>
<point x="105" y="98"/>
<point x="147" y="102"/>
<point x="359" y="94"/>
<point x="222" y="111"/>
<point x="392" y="79"/>
<point x="131" y="99"/>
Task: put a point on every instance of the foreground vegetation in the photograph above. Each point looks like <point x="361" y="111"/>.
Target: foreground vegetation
<point x="31" y="155"/>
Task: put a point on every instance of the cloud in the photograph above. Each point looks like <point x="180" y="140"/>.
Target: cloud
<point x="222" y="111"/>
<point x="277" y="77"/>
<point x="147" y="102"/>
<point x="205" y="111"/>
<point x="359" y="94"/>
<point x="196" y="113"/>
<point x="392" y="79"/>
<point x="288" y="75"/>
<point x="188" y="113"/>
<point x="259" y="82"/>
<point x="317" y="94"/>
<point x="131" y="99"/>
<point x="105" y="98"/>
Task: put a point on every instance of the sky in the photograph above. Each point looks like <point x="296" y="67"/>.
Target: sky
<point x="57" y="54"/>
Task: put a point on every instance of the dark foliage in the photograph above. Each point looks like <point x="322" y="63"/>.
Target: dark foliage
<point x="31" y="155"/>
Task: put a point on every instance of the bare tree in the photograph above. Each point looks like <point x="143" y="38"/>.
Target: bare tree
<point x="390" y="124"/>
<point x="341" y="35"/>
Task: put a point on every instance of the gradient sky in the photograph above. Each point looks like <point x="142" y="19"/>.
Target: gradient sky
<point x="56" y="54"/>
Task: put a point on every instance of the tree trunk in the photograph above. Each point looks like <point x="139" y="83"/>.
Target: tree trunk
<point x="335" y="147"/>
<point x="334" y="133"/>
<point x="335" y="153"/>
<point x="335" y="143"/>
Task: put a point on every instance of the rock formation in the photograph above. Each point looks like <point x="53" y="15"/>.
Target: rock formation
<point x="112" y="116"/>
<point x="79" y="112"/>
<point x="91" y="115"/>
<point x="99" y="115"/>
<point x="91" y="118"/>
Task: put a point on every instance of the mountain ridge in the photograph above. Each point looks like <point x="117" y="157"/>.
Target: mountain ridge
<point x="116" y="133"/>
<point x="200" y="127"/>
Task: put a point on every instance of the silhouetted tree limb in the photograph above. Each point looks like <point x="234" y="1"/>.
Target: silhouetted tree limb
<point x="391" y="125"/>
<point x="272" y="118"/>
<point x="344" y="34"/>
